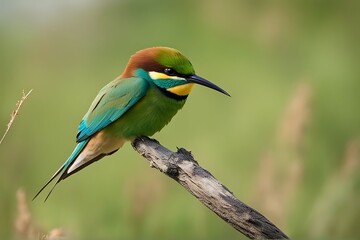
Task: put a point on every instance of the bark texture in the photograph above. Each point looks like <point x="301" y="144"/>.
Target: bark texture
<point x="184" y="169"/>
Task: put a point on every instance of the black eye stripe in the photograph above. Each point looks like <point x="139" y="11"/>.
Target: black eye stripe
<point x="172" y="72"/>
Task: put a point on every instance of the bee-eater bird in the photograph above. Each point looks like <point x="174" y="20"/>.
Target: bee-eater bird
<point x="140" y="102"/>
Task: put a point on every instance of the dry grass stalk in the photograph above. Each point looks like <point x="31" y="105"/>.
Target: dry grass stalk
<point x="296" y="117"/>
<point x="351" y="160"/>
<point x="15" y="113"/>
<point x="26" y="228"/>
<point x="330" y="207"/>
<point x="281" y="168"/>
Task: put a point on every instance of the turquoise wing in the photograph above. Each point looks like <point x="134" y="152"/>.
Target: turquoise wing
<point x="110" y="104"/>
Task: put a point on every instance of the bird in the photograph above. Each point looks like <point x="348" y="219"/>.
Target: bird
<point x="140" y="102"/>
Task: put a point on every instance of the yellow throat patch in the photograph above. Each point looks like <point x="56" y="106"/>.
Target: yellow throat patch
<point x="181" y="90"/>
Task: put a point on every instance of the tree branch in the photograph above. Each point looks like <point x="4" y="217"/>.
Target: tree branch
<point x="182" y="167"/>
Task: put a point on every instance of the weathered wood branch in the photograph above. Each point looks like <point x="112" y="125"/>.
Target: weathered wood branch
<point x="182" y="167"/>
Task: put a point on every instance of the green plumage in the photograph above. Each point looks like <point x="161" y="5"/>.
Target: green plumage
<point x="172" y="58"/>
<point x="112" y="102"/>
<point x="148" y="116"/>
<point x="150" y="91"/>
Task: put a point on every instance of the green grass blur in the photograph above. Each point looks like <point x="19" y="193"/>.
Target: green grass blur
<point x="286" y="143"/>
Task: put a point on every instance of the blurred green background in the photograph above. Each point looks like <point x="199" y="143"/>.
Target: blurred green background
<point x="286" y="143"/>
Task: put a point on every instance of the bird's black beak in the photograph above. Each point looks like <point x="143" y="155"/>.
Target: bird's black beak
<point x="202" y="81"/>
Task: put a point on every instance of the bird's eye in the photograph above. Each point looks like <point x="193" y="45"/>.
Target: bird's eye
<point x="169" y="71"/>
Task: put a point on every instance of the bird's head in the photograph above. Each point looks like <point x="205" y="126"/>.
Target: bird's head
<point x="168" y="69"/>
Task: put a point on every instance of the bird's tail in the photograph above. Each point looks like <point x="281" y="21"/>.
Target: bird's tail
<point x="63" y="168"/>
